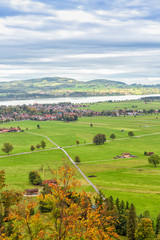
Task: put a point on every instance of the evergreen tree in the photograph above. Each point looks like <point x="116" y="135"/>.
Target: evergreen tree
<point x="117" y="202"/>
<point x="131" y="223"/>
<point x="127" y="205"/>
<point x="121" y="225"/>
<point x="122" y="207"/>
<point x="110" y="203"/>
<point x="158" y="224"/>
<point x="146" y="214"/>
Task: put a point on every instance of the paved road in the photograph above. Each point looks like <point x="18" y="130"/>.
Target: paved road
<point x="70" y="160"/>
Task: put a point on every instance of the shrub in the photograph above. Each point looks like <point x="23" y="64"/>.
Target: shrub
<point x="77" y="159"/>
<point x="35" y="178"/>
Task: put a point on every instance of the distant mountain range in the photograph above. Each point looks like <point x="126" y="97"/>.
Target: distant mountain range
<point x="68" y="87"/>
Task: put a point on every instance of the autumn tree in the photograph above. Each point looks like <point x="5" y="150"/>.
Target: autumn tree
<point x="144" y="229"/>
<point x="77" y="142"/>
<point x="131" y="223"/>
<point x="27" y="225"/>
<point x="99" y="139"/>
<point x="71" y="216"/>
<point x="154" y="159"/>
<point x="8" y="198"/>
<point x="7" y="148"/>
<point x="68" y="217"/>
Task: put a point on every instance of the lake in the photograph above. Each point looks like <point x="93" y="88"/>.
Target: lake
<point x="75" y="99"/>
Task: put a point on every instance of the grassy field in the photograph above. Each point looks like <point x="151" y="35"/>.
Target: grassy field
<point x="131" y="104"/>
<point x="130" y="179"/>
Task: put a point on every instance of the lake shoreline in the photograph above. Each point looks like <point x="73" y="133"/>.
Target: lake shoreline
<point x="75" y="100"/>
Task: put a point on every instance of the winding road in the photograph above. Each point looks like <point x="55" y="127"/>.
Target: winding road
<point x="61" y="148"/>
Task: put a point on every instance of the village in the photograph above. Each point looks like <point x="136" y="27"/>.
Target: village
<point x="62" y="111"/>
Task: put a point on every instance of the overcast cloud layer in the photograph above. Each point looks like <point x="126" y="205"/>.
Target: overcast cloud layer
<point x="82" y="39"/>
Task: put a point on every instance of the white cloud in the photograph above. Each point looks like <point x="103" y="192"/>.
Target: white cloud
<point x="82" y="42"/>
<point x="27" y="6"/>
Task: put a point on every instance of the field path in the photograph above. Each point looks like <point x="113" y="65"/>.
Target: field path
<point x="70" y="160"/>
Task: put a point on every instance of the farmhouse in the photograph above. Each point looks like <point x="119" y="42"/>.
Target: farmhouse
<point x="49" y="182"/>
<point x="126" y="155"/>
<point x="32" y="191"/>
<point x="150" y="153"/>
<point x="4" y="130"/>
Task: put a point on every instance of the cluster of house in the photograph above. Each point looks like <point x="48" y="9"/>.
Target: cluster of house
<point x="11" y="129"/>
<point x="36" y="191"/>
<point x="62" y="111"/>
<point x="44" y="112"/>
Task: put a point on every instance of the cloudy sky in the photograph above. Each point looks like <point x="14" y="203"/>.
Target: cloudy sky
<point x="82" y="39"/>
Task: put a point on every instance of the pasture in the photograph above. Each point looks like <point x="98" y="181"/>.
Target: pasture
<point x="131" y="179"/>
<point x="130" y="104"/>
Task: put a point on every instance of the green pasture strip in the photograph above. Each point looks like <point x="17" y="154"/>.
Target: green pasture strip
<point x="17" y="168"/>
<point x="21" y="141"/>
<point x="130" y="104"/>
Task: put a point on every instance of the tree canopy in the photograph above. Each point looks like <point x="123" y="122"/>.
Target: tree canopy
<point x="154" y="159"/>
<point x="7" y="148"/>
<point x="99" y="139"/>
<point x="130" y="133"/>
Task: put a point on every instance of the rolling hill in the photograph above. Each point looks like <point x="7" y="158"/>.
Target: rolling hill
<point x="68" y="87"/>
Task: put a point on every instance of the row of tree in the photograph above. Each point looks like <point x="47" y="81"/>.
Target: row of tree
<point x="7" y="147"/>
<point x="101" y="138"/>
<point x="38" y="146"/>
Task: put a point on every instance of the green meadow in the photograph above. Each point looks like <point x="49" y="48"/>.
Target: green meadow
<point x="131" y="104"/>
<point x="131" y="179"/>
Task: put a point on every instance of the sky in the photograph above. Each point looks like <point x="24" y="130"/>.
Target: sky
<point x="82" y="39"/>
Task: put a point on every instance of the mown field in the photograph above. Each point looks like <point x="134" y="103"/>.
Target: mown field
<point x="131" y="104"/>
<point x="132" y="179"/>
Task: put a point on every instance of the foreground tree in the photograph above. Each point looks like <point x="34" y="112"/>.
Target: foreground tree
<point x="144" y="230"/>
<point x="154" y="159"/>
<point x="7" y="148"/>
<point x="71" y="216"/>
<point x="26" y="224"/>
<point x="72" y="212"/>
<point x="131" y="223"/>
<point x="8" y="199"/>
<point x="99" y="139"/>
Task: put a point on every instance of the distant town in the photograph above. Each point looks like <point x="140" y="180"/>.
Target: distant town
<point x="62" y="112"/>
